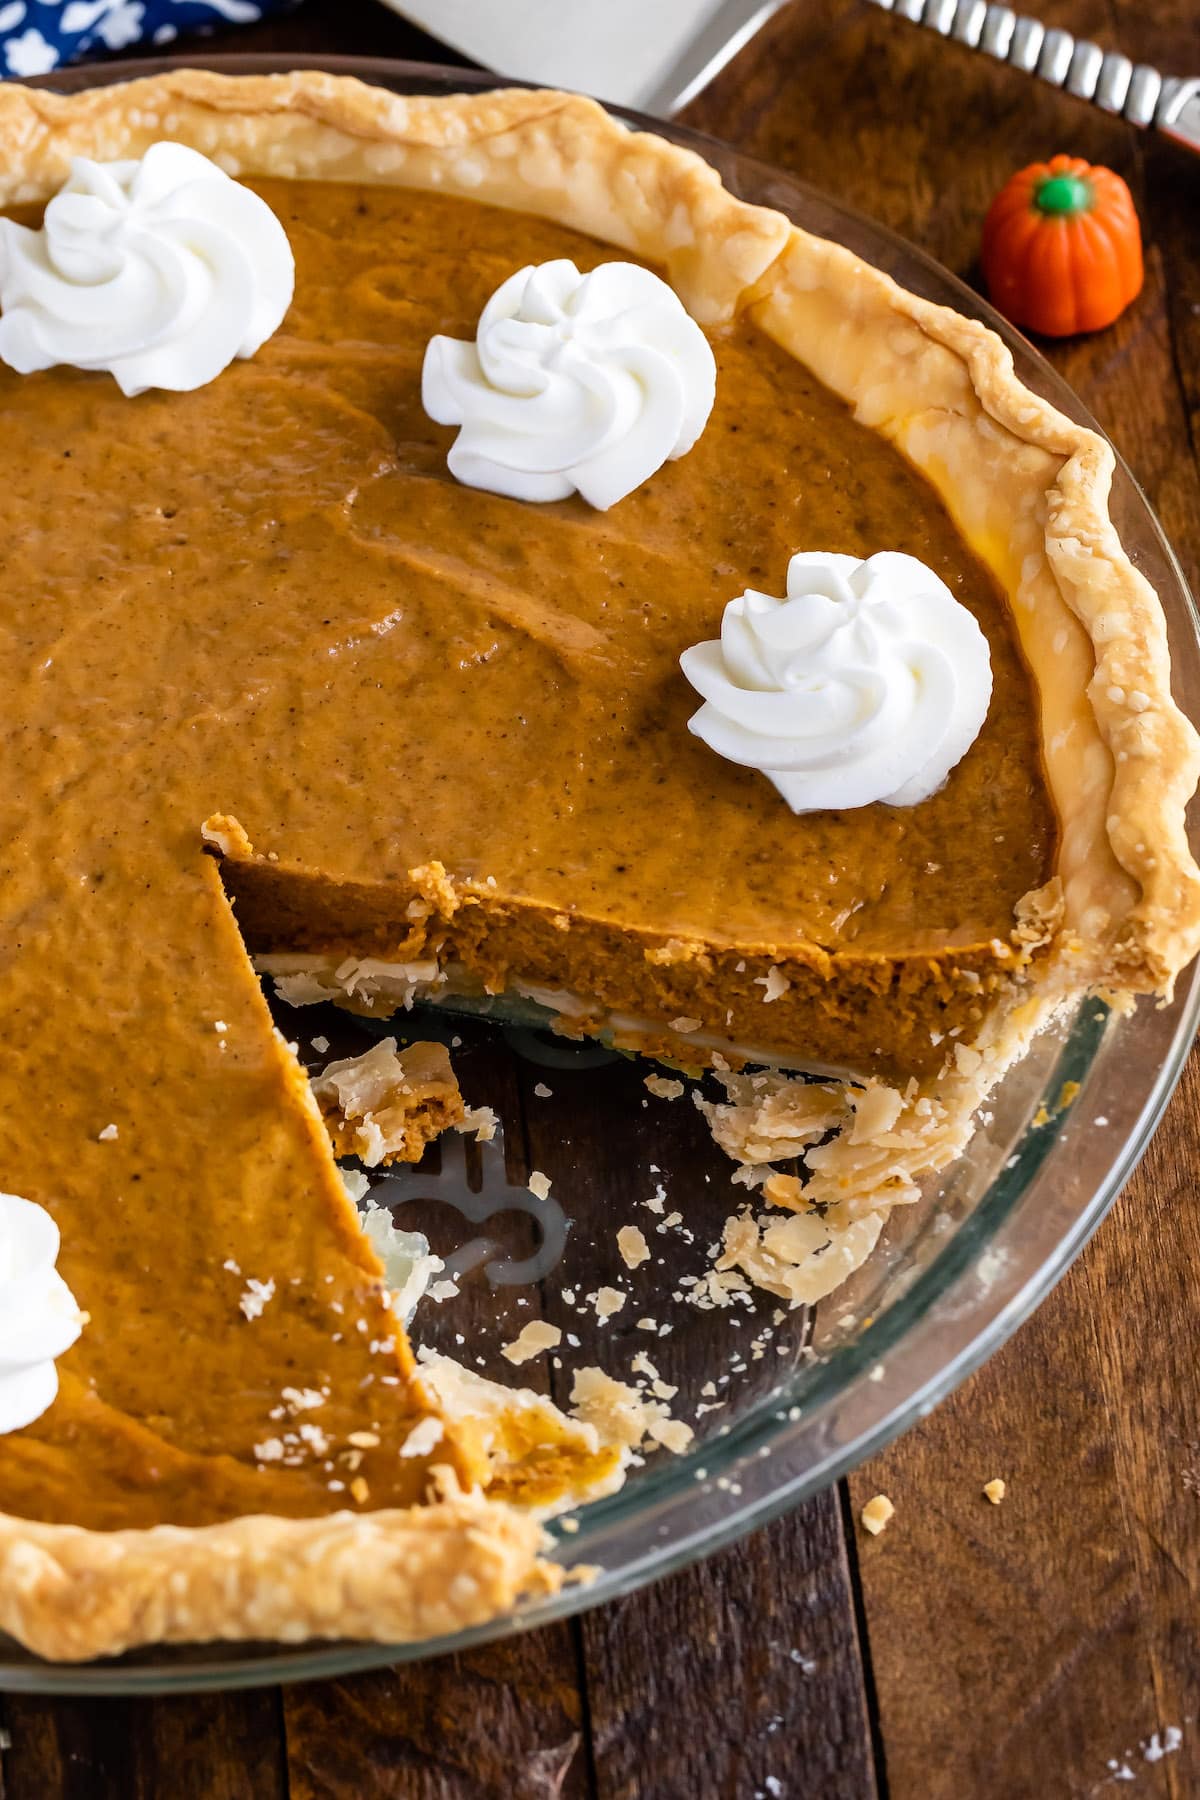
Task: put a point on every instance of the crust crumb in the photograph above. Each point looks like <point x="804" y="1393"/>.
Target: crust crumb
<point x="770" y="1117"/>
<point x="609" y="1300"/>
<point x="995" y="1490"/>
<point x="679" y="950"/>
<point x="774" y="983"/>
<point x="227" y="836"/>
<point x="633" y="1246"/>
<point x="533" y="1453"/>
<point x="800" y="1257"/>
<point x="436" y="889"/>
<point x="482" y="1121"/>
<point x="531" y="1341"/>
<point x="387" y="1104"/>
<point x="408" y="1266"/>
<point x="623" y="1415"/>
<point x="877" y="1514"/>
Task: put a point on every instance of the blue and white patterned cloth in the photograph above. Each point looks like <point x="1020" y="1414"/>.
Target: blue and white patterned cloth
<point x="37" y="35"/>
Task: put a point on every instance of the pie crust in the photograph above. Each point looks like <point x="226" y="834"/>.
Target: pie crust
<point x="70" y="1594"/>
<point x="1028" y="490"/>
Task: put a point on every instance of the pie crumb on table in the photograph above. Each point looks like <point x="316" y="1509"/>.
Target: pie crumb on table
<point x="877" y="1514"/>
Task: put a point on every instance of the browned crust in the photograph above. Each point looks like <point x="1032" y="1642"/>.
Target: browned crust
<point x="1029" y="489"/>
<point x="71" y="1594"/>
<point x="939" y="386"/>
<point x="557" y="155"/>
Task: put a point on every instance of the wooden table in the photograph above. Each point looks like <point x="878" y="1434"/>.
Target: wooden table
<point x="971" y="1652"/>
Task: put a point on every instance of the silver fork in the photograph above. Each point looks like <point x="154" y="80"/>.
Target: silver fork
<point x="1135" y="92"/>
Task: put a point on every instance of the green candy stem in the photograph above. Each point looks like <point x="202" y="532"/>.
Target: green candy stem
<point x="1063" y="196"/>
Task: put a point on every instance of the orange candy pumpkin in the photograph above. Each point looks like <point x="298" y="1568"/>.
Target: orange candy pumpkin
<point x="1062" y="247"/>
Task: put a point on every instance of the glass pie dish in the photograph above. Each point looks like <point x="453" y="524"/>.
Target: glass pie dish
<point x="782" y="1402"/>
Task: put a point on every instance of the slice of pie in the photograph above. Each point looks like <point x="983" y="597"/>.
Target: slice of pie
<point x="276" y="684"/>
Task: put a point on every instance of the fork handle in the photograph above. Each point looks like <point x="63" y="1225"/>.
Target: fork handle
<point x="1134" y="91"/>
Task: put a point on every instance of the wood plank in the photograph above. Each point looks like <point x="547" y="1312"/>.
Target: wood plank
<point x="1011" y="1644"/>
<point x="1058" y="1632"/>
<point x="734" y="1675"/>
<point x="910" y="129"/>
<point x="501" y="1723"/>
<point x="1150" y="1251"/>
<point x="198" y="1747"/>
<point x="1139" y="1279"/>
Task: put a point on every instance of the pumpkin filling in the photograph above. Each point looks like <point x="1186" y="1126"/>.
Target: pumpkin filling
<point x="267" y="599"/>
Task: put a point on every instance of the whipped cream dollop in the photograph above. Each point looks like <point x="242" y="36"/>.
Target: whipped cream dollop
<point x="159" y="270"/>
<point x="38" y="1315"/>
<point x="574" y="383"/>
<point x="870" y="681"/>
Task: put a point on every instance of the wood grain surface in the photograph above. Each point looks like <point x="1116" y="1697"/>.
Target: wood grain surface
<point x="971" y="1652"/>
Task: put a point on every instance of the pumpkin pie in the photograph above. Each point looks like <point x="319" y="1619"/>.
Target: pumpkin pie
<point x="277" y="687"/>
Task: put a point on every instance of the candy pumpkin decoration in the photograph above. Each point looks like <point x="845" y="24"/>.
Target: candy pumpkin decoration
<point x="1062" y="247"/>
